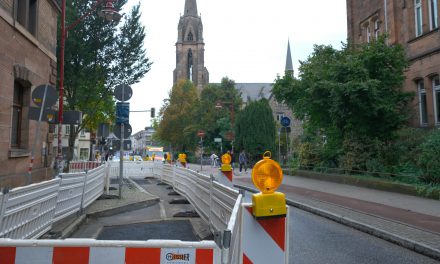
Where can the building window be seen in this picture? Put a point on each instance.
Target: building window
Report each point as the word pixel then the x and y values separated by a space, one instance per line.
pixel 376 29
pixel 433 14
pixel 436 91
pixel 83 153
pixel 27 14
pixel 368 33
pixel 422 103
pixel 418 17
pixel 190 37
pixel 67 130
pixel 17 111
pixel 83 133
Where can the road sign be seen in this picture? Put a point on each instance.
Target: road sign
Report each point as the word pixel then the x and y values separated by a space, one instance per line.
pixel 49 115
pixel 127 130
pixel 230 135
pixel 285 121
pixel 103 130
pixel 117 144
pixel 122 113
pixel 285 129
pixel 72 117
pixel 201 133
pixel 51 95
pixel 123 92
pixel 218 140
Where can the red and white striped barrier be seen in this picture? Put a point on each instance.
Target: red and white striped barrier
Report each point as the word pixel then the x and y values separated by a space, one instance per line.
pixel 264 240
pixel 107 252
pixel 225 178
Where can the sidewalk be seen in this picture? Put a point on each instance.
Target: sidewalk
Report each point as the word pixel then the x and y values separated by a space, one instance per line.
pixel 408 221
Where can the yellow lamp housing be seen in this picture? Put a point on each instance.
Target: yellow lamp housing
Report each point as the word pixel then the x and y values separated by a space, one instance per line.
pixel 226 167
pixel 267 177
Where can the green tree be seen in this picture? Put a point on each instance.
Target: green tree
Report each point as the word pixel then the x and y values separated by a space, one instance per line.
pixel 98 56
pixel 255 129
pixel 351 95
pixel 177 125
pixel 213 114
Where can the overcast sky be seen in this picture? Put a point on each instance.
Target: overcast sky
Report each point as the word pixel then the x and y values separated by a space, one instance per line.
pixel 245 40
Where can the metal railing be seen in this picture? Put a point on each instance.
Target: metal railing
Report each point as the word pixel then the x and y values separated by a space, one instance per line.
pixel 28 212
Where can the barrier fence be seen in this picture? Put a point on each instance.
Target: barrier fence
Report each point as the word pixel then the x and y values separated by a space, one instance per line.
pixel 28 212
pixel 79 166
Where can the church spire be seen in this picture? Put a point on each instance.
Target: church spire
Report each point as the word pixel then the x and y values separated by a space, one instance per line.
pixel 289 65
pixel 190 8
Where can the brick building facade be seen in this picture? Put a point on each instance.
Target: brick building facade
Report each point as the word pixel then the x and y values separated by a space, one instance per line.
pixel 28 38
pixel 415 25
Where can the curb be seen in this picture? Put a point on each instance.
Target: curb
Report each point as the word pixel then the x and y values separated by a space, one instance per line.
pixel 382 234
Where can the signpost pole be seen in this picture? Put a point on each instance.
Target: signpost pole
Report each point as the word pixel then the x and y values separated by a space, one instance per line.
pixel 121 152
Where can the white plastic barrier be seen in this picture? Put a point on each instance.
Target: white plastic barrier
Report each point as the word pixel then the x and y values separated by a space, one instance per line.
pixel 94 185
pixel 70 194
pixel 231 241
pixel 223 201
pixel 168 174
pixel 90 251
pixel 27 212
pixel 132 169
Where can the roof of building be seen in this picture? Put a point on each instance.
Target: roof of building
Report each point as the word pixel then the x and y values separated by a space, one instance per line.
pixel 190 8
pixel 254 91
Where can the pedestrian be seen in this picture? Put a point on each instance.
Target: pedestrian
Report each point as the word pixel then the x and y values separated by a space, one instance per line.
pixel 242 159
pixel 106 156
pixel 153 156
pixel 214 160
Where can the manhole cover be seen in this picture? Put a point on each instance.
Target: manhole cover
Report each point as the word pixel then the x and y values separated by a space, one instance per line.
pixel 174 230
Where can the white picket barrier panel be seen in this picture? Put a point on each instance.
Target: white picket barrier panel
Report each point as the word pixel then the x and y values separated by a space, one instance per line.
pixel 28 211
pixel 79 166
pixel 70 194
pixel 94 185
pixel 90 251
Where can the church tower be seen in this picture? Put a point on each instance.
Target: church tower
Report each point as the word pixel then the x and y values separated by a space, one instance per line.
pixel 190 48
pixel 289 64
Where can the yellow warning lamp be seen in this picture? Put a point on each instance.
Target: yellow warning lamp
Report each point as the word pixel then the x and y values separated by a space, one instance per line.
pixel 182 157
pixel 267 177
pixel 226 162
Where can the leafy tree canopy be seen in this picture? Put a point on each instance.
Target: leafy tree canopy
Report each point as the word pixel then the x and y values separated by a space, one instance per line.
pixel 177 124
pixel 255 129
pixel 98 56
pixel 352 93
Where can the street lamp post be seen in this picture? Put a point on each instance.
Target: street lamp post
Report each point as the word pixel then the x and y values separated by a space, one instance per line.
pixel 110 14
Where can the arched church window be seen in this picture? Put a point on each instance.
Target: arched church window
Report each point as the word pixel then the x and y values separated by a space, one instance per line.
pixel 190 36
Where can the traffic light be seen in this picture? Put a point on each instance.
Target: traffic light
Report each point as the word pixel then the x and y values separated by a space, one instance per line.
pixel 152 111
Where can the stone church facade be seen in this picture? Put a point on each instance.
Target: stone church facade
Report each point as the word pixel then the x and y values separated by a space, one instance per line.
pixel 190 48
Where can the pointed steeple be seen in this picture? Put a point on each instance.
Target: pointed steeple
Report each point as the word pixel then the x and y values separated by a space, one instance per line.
pixel 289 65
pixel 190 8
